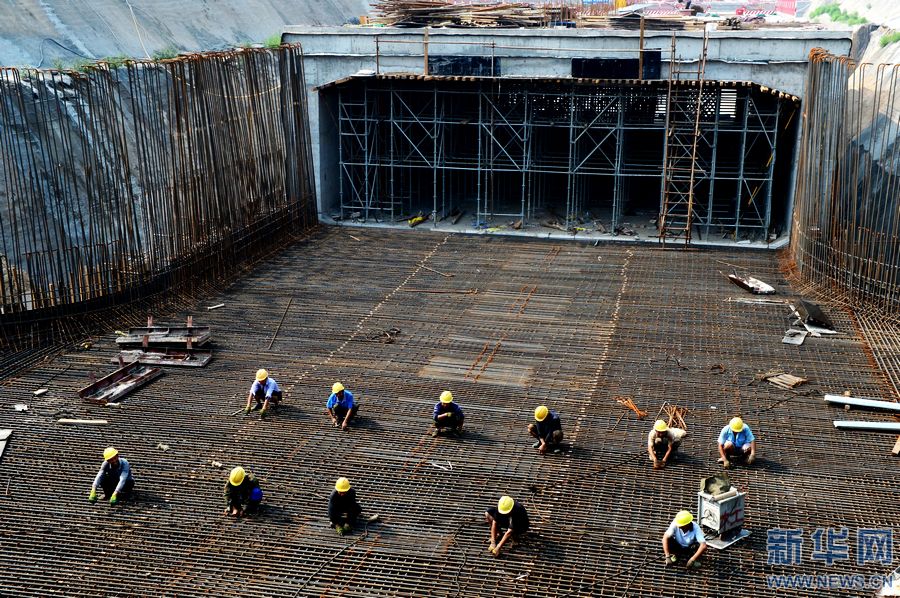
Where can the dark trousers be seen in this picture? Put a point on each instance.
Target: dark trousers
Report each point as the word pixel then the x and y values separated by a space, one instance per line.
pixel 341 412
pixel 348 518
pixel 453 422
pixel 252 505
pixel 109 483
pixel 260 397
pixel 555 437
pixel 685 551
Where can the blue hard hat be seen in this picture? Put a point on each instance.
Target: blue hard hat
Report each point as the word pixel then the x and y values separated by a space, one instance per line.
pixel 256 494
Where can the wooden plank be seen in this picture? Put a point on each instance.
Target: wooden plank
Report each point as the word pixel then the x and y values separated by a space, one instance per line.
pixel 113 387
pixel 896 449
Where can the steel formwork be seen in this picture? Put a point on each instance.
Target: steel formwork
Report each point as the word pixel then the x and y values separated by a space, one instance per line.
pixel 523 149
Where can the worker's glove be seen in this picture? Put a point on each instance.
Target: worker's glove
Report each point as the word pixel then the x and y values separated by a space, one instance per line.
pixel 492 547
pixel 92 497
pixel 727 464
pixel 262 414
pixel 340 529
pixel 334 423
pixel 693 564
pixel 248 409
pixel 495 551
pixel 671 559
pixel 751 459
pixel 113 499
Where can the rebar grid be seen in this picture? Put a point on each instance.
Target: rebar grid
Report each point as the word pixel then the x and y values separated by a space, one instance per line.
pixel 567 325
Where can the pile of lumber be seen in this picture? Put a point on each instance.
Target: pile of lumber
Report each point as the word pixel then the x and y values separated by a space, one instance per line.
pixel 443 13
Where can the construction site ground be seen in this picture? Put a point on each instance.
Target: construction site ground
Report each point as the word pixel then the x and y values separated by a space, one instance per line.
pixel 506 324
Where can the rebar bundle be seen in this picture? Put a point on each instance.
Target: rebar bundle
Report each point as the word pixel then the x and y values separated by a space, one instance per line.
pixel 846 225
pixel 436 13
pixel 116 181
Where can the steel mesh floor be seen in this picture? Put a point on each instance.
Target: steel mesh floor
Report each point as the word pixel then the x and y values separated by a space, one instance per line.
pixel 566 324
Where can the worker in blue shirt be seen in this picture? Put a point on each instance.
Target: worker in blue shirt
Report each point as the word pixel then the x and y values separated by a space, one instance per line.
pixel 447 416
pixel 242 493
pixel 341 406
pixel 510 518
pixel 265 390
pixel 114 478
pixel 547 429
pixel 736 440
pixel 684 538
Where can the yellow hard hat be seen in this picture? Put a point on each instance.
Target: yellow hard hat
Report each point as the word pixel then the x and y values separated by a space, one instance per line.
pixel 683 518
pixel 261 375
pixel 342 485
pixel 337 387
pixel 736 424
pixel 446 397
pixel 109 453
pixel 505 505
pixel 540 414
pixel 660 426
pixel 237 476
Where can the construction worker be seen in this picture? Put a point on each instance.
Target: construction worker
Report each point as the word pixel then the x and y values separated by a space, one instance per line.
pixel 447 415
pixel 114 478
pixel 341 406
pixel 242 493
pixel 343 510
pixel 265 390
pixel 736 441
pixel 689 540
pixel 510 517
pixel 663 442
pixel 547 430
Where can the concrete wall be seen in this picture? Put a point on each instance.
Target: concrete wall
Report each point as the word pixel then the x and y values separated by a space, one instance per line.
pixel 775 58
pixel 37 32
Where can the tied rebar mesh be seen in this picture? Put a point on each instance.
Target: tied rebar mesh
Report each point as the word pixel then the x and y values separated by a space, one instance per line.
pixel 118 181
pixel 846 223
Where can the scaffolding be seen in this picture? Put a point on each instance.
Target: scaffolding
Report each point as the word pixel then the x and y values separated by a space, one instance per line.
pixel 566 151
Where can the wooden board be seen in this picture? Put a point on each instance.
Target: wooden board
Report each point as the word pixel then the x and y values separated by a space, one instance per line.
pixel 165 336
pixel 172 357
pixel 112 388
pixel 754 285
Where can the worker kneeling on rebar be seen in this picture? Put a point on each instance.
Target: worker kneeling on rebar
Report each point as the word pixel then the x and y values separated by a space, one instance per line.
pixel 663 442
pixel 343 510
pixel 447 416
pixel 684 538
pixel 736 441
pixel 341 406
pixel 265 390
pixel 547 429
pixel 242 493
pixel 114 478
pixel 510 518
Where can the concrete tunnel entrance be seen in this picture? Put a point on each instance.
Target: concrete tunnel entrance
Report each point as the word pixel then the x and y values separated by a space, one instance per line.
pixel 583 154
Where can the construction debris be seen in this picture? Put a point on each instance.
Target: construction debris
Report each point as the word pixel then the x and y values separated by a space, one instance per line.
pixel 675 416
pixel 187 336
pixel 628 402
pixel 87 422
pixel 443 13
pixel 782 379
pixel 111 388
pixel 39 392
pixel 813 316
pixel 217 306
pixel 754 285
pixel 20 407
pixel 792 336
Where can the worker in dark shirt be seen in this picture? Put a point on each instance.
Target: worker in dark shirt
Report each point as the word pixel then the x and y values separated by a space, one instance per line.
pixel 341 406
pixel 242 493
pixel 547 429
pixel 343 510
pixel 114 478
pixel 509 515
pixel 447 416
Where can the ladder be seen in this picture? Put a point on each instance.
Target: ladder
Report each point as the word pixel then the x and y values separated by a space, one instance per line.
pixel 684 106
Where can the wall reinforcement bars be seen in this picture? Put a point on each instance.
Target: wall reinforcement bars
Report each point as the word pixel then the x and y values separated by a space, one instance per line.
pixel 115 181
pixel 846 225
